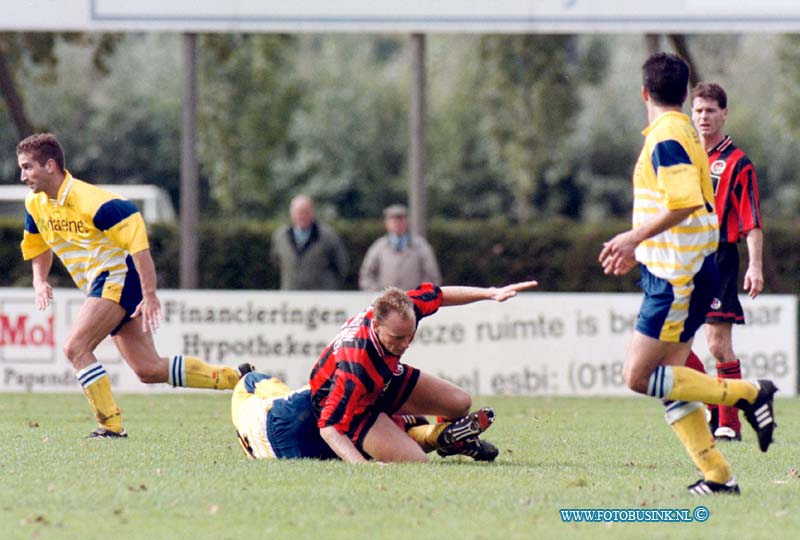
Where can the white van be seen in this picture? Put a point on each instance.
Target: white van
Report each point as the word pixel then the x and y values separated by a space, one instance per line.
pixel 152 201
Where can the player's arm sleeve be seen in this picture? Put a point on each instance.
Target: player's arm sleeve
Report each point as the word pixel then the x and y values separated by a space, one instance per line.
pixel 677 176
pixel 122 222
pixel 345 400
pixel 427 299
pixel 749 210
pixel 32 244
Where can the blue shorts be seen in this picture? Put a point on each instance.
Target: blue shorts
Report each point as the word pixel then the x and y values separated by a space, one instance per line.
pixel 292 428
pixel 130 296
pixel 273 422
pixel 673 313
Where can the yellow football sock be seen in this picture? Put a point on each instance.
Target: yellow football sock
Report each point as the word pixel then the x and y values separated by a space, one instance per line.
pixel 691 385
pixel 105 408
pixel 427 435
pixel 192 372
pixel 696 437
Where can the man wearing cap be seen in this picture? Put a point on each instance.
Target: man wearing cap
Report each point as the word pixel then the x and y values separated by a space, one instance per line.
pixel 398 259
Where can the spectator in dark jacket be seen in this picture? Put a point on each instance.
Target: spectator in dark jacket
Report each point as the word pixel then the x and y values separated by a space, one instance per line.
pixel 310 254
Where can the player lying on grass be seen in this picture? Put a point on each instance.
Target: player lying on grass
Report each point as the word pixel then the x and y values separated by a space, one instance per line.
pixel 359 381
pixel 273 422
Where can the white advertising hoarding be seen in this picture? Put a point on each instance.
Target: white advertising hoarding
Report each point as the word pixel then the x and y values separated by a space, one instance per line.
pixel 536 344
pixel 409 16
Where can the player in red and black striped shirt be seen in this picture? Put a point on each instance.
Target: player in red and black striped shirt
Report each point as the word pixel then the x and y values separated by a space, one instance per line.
pixel 359 381
pixel 737 206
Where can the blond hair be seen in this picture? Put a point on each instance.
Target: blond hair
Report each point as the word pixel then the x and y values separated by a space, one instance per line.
pixel 393 300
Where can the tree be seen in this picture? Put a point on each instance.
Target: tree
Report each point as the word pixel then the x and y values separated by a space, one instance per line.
pixel 247 98
pixel 531 99
pixel 348 138
pixel 680 43
pixel 21 52
pixel 785 160
pixel 119 128
pixel 462 178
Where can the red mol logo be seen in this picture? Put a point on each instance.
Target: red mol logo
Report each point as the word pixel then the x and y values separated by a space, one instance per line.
pixel 19 331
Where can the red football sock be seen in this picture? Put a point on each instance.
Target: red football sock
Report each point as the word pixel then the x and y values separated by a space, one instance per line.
pixel 729 416
pixel 694 362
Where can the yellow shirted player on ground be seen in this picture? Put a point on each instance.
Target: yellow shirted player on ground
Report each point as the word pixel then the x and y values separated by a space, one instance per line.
pixel 101 239
pixel 274 422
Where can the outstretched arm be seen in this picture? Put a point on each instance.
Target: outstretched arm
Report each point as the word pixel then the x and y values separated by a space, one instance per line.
pixel 457 295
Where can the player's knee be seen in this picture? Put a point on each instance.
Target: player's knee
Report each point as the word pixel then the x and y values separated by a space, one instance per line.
pixel 75 349
pixel 634 379
pixel 461 402
pixel 148 375
pixel 718 348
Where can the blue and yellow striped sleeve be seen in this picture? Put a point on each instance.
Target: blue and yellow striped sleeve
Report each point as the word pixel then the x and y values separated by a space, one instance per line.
pixel 32 244
pixel 121 221
pixel 677 176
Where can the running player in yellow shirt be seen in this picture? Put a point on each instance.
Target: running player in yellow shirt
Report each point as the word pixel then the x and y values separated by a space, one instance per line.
pixel 101 239
pixel 673 241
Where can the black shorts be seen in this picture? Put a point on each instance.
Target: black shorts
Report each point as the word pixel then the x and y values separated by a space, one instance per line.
pixel 730 309
pixel 391 399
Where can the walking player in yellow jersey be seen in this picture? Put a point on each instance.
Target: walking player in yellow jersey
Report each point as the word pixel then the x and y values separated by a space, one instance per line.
pixel 102 241
pixel 673 240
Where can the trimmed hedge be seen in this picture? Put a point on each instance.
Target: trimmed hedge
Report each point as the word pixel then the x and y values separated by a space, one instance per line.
pixel 560 254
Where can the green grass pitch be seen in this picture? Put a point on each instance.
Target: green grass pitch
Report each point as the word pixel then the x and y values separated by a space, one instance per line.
pixel 181 475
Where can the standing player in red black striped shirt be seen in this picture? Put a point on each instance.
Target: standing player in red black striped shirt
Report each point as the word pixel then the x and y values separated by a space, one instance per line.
pixel 359 381
pixel 737 206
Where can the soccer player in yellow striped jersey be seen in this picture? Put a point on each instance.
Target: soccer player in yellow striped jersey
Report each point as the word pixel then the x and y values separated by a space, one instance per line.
pixel 673 241
pixel 102 241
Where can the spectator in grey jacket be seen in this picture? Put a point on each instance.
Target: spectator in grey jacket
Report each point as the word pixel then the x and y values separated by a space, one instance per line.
pixel 398 259
pixel 311 255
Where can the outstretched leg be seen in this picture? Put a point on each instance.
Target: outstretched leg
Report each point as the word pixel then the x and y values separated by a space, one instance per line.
pixel 138 350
